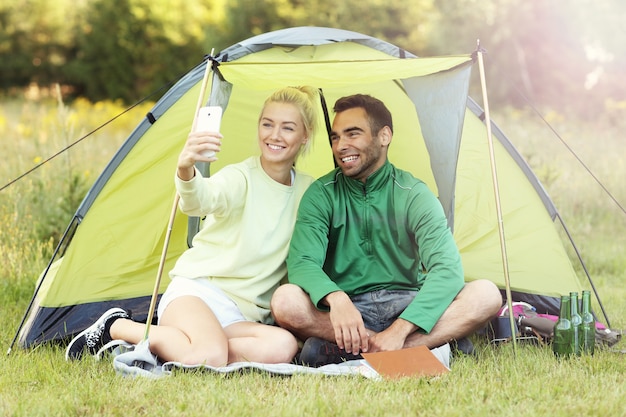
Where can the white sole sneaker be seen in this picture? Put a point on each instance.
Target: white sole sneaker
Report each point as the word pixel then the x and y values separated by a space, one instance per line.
pixel 114 348
pixel 89 338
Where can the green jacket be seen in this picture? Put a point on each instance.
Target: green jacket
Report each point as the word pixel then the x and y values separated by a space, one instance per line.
pixel 389 233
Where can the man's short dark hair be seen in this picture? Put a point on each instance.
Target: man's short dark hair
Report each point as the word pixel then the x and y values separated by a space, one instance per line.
pixel 378 114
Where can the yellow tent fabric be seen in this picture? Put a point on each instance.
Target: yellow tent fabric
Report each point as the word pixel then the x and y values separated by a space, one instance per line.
pixel 536 258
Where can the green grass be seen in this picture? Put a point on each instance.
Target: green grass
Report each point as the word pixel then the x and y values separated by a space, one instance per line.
pixel 496 382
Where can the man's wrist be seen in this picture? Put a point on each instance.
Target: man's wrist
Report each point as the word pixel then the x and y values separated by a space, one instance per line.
pixel 403 327
pixel 334 297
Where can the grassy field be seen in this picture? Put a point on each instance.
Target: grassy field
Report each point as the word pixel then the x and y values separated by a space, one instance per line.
pixel 498 381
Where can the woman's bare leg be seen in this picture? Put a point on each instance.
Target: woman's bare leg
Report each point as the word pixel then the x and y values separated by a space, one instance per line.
pixel 188 333
pixel 256 342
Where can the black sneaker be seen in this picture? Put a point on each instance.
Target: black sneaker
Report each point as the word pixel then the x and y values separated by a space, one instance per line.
pixel 94 337
pixel 318 352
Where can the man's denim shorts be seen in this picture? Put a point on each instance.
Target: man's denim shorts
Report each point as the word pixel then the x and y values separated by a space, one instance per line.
pixel 382 307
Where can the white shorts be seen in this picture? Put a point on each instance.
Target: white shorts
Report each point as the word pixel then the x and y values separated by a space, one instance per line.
pixel 223 307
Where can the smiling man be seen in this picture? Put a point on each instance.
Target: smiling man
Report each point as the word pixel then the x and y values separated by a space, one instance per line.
pixel 372 264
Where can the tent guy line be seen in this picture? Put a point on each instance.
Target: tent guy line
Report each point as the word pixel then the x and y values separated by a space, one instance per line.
pixel 87 135
pixel 569 148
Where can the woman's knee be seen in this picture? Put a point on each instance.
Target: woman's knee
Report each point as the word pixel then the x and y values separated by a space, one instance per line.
pixel 287 347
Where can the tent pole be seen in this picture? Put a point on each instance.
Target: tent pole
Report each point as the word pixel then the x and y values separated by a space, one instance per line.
pixel 141 357
pixel 157 282
pixel 496 192
pixel 170 225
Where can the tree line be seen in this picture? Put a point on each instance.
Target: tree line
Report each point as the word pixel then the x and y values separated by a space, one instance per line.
pixel 562 54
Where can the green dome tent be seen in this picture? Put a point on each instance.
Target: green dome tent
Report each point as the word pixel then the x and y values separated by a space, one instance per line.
pixel 110 252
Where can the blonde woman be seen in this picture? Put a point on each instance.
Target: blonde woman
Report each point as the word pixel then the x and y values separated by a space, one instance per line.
pixel 216 309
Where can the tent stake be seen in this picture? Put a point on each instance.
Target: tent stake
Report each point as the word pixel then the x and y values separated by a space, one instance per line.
pixel 496 192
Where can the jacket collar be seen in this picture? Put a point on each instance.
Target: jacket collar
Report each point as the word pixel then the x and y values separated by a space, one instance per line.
pixel 378 179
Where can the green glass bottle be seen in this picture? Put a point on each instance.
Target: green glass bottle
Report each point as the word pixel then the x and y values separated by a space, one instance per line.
pixel 562 343
pixel 576 323
pixel 588 326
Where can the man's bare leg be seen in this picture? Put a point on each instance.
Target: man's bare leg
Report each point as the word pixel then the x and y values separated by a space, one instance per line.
pixel 293 310
pixel 476 304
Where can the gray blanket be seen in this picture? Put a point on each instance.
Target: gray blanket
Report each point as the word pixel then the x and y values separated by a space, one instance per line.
pixel 139 362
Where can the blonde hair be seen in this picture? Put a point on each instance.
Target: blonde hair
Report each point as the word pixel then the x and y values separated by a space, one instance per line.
pixel 304 98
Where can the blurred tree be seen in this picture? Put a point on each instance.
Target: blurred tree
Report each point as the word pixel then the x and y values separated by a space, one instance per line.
pixel 604 39
pixel 536 50
pixel 34 41
pixel 126 49
pixel 546 51
pixel 390 20
pixel 102 65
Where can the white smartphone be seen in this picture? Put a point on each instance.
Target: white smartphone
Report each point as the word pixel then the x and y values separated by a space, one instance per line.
pixel 209 120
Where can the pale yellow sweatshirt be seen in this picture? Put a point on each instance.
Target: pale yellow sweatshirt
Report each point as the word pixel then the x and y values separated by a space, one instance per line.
pixel 244 240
